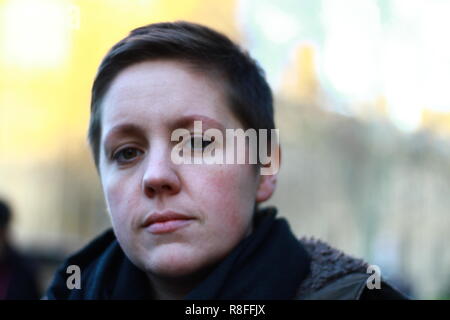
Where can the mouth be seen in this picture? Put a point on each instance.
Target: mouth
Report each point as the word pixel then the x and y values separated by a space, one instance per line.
pixel 166 222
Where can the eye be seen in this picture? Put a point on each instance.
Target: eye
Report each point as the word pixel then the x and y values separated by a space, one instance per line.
pixel 198 141
pixel 126 155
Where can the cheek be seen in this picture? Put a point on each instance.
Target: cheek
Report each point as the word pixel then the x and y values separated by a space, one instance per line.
pixel 120 197
pixel 229 197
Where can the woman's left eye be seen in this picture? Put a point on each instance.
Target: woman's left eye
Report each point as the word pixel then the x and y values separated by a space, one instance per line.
pixel 127 155
pixel 196 142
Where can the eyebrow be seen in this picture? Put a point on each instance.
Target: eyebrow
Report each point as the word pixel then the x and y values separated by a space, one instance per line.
pixel 127 129
pixel 188 121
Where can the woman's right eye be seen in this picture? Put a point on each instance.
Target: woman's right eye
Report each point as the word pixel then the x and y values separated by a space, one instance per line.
pixel 126 155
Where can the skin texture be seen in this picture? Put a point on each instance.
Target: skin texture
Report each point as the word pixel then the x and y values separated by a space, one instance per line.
pixel 139 178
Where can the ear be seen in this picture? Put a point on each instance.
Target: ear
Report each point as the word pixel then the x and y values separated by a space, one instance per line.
pixel 266 187
pixel 268 182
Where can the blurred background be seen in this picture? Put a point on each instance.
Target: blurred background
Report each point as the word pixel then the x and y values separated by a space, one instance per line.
pixel 362 103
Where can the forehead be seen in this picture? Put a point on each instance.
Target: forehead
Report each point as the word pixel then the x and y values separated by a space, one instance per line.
pixel 163 89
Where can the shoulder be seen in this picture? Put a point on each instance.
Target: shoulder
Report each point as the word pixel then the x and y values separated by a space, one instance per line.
pixel 335 275
pixel 92 260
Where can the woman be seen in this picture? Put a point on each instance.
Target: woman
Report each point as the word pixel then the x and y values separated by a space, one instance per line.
pixel 194 229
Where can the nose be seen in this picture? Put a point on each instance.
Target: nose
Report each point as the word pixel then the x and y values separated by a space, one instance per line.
pixel 160 176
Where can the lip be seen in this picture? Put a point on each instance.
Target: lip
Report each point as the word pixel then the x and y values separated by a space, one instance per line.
pixel 166 222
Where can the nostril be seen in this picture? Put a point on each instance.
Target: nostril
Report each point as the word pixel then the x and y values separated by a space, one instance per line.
pixel 150 191
pixel 160 180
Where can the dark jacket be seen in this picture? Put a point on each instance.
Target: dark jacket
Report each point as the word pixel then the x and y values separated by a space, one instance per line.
pixel 336 276
pixel 269 264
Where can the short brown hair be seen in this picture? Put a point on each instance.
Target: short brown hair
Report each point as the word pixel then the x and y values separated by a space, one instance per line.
pixel 248 93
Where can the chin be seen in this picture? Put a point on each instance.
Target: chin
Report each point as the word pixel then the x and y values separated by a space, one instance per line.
pixel 177 264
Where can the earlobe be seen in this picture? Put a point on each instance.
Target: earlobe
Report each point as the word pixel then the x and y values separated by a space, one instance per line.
pixel 268 182
pixel 266 187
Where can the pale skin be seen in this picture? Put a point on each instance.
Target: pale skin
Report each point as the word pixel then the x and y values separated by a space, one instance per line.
pixel 138 176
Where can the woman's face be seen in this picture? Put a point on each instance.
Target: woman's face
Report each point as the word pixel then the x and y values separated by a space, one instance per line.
pixel 171 220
